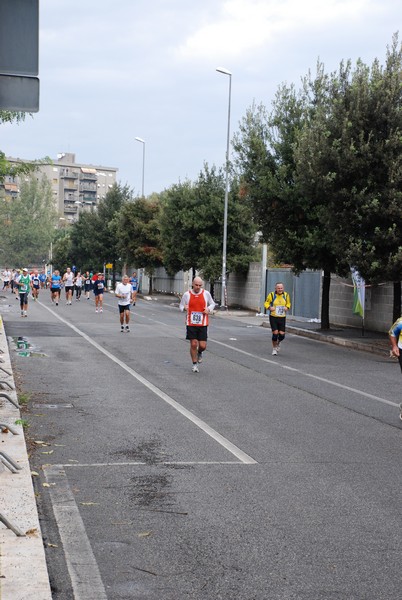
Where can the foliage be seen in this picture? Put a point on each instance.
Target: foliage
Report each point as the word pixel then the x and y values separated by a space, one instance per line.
pixel 28 223
pixel 94 239
pixel 351 156
pixel 138 233
pixel 192 226
pixel 323 171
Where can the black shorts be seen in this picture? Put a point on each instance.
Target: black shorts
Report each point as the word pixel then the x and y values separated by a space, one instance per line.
pixel 277 323
pixel 55 290
pixel 197 332
pixel 23 298
pixel 123 307
pixel 69 288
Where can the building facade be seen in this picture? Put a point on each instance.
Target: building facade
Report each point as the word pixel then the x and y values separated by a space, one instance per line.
pixel 76 187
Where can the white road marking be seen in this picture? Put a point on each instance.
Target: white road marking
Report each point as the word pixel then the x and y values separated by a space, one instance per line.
pixel 81 563
pixel 294 370
pixel 317 377
pixel 220 439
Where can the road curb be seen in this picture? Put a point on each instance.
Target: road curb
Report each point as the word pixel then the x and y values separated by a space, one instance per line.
pixel 338 341
pixel 23 571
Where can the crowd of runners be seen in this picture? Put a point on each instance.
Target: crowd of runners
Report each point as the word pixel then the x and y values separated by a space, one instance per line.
pixel 25 284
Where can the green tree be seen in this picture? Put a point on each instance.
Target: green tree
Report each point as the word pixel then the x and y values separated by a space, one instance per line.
pixel 351 155
pixel 138 232
pixel 29 221
pixel 192 226
pixel 94 239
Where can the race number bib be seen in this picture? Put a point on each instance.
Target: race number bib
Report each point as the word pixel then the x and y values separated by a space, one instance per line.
pixel 196 318
pixel 23 287
pixel 280 311
pixel 100 286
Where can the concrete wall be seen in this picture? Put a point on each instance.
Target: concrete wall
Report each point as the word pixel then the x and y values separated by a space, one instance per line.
pixel 378 305
pixel 245 291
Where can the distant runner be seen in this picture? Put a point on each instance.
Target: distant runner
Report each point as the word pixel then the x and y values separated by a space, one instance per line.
pixel 123 293
pixel 278 303
pixel 198 304
pixel 98 289
pixel 55 286
pixel 24 285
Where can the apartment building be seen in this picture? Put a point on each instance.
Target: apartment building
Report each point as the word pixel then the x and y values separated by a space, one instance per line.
pixel 76 187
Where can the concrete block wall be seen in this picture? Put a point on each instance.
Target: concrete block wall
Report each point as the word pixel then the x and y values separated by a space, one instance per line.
pixel 244 290
pixel 378 309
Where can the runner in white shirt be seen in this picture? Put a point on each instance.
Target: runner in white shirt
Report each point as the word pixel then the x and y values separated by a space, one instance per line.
pixel 68 279
pixel 6 279
pixel 123 293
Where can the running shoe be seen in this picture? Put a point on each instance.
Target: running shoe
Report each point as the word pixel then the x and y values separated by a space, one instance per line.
pixel 199 357
pixel 127 329
pixel 195 369
pixel 278 347
pixel 274 352
pixel 101 310
pixel 96 310
pixel 122 329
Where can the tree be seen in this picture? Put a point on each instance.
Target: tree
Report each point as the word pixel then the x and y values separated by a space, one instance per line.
pixel 192 226
pixel 29 221
pixel 287 218
pixel 138 232
pixel 94 237
pixel 351 155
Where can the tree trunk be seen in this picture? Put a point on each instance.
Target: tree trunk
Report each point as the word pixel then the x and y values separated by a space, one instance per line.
pixel 150 284
pixel 326 282
pixel 396 311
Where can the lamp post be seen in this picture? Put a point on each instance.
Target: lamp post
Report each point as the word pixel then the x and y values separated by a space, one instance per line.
pixel 143 162
pixel 225 213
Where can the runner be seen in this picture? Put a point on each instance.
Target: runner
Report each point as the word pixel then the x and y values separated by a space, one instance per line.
pixel 42 279
pixel 78 281
pixel 68 279
pixel 6 279
pixel 278 303
pixel 395 337
pixel 134 287
pixel 123 293
pixel 24 284
pixel 199 304
pixel 55 286
pixel 87 284
pixel 35 284
pixel 98 289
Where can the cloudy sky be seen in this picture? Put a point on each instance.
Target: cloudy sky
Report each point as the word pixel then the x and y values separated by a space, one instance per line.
pixel 114 71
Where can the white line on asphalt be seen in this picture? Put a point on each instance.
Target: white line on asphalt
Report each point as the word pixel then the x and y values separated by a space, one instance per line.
pixel 155 464
pixel 81 563
pixel 286 367
pixel 220 439
pixel 317 377
pixel 294 370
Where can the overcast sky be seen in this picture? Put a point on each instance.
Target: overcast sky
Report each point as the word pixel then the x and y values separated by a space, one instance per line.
pixel 113 71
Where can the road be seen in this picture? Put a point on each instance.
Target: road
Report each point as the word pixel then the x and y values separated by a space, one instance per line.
pixel 259 478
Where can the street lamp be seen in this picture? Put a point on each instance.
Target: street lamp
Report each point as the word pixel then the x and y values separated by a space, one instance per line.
pixel 225 213
pixel 143 161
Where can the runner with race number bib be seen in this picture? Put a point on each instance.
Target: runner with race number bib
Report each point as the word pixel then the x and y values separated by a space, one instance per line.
pixel 198 304
pixel 278 303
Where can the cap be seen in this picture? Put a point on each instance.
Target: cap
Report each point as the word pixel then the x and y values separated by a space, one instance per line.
pixel 25 269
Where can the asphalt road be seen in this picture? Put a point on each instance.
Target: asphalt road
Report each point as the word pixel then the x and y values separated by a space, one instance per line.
pixel 259 478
